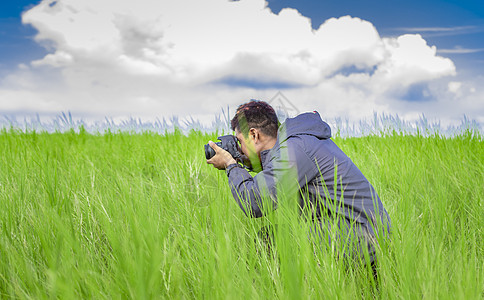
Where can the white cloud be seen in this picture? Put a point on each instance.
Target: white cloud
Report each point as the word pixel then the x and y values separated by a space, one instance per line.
pixel 454 86
pixel 443 31
pixel 460 50
pixel 439 29
pixel 159 58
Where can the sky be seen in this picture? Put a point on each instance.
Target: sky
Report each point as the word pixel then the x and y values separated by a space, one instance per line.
pixel 152 59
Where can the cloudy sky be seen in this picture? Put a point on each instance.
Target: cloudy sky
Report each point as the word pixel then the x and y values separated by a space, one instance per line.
pixel 159 58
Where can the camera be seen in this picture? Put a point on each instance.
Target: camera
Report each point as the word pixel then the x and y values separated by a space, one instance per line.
pixel 229 144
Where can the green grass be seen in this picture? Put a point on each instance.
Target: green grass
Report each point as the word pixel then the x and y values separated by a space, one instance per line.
pixel 142 216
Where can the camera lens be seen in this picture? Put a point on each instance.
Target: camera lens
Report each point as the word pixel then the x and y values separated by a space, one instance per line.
pixel 209 152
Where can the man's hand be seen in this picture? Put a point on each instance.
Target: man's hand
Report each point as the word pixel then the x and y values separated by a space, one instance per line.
pixel 221 159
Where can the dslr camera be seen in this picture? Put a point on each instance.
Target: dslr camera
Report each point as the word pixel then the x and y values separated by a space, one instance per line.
pixel 229 144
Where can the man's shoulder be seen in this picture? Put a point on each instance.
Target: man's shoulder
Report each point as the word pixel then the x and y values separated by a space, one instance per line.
pixel 294 145
pixel 301 140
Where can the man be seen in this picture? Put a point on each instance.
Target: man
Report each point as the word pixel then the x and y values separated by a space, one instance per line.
pixel 300 156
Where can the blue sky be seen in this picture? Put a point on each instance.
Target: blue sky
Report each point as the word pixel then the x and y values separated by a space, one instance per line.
pixel 38 78
pixel 16 40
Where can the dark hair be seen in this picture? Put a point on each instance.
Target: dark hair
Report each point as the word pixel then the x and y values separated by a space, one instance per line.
pixel 256 114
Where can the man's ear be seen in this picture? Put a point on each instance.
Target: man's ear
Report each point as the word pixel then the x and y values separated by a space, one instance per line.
pixel 254 134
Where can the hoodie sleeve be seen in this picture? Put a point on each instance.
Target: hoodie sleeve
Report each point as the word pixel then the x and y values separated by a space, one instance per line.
pixel 288 169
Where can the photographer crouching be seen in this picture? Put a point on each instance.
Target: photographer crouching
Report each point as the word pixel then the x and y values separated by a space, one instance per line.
pixel 301 149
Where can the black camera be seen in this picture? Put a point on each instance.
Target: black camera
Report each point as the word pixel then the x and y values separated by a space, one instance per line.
pixel 229 144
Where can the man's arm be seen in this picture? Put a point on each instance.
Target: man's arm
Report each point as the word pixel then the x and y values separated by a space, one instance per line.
pixel 289 168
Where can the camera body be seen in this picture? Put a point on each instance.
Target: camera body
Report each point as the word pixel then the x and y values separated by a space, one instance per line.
pixel 229 144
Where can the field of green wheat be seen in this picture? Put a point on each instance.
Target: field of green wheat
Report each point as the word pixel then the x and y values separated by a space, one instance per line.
pixel 141 215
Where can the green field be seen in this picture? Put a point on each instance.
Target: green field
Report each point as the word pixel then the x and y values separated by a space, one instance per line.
pixel 120 215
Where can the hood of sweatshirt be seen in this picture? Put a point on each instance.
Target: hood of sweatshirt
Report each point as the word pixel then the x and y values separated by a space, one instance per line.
pixel 304 124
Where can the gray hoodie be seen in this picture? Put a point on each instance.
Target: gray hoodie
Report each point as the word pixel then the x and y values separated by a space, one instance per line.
pixel 305 159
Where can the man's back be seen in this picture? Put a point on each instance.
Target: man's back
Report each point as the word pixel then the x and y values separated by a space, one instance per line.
pixel 319 161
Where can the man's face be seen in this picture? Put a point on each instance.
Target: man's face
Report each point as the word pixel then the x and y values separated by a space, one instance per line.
pixel 246 144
